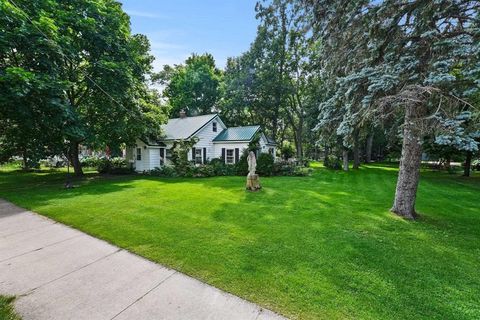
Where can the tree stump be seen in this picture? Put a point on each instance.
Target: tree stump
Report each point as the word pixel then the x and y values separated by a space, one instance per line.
pixel 253 182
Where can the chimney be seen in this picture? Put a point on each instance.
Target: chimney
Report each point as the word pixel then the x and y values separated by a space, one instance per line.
pixel 183 114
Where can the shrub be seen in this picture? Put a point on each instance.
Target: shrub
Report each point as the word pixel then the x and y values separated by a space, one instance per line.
pixel 476 165
pixel 90 162
pixel 241 167
pixel 285 168
pixel 113 166
pixel 265 164
pixel 333 162
pixel 220 168
pixel 164 171
pixel 287 150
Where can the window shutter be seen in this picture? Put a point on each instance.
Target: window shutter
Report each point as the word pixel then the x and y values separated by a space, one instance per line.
pixel 204 155
pixel 193 154
pixel 237 155
pixel 223 154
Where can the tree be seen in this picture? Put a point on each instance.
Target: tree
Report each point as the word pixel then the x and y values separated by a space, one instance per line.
pixel 273 83
pixel 32 111
pixel 102 69
pixel 194 86
pixel 418 59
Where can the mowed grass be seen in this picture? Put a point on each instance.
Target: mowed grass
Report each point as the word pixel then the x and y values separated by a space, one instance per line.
pixel 319 247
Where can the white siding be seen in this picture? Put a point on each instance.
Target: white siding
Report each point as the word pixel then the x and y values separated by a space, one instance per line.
pixel 154 158
pixel 229 145
pixel 205 138
pixel 264 146
pixel 140 165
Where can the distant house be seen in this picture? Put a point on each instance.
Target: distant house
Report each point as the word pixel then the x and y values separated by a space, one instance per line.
pixel 215 140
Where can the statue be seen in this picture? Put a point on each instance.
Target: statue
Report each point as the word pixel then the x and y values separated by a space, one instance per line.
pixel 252 163
pixel 253 182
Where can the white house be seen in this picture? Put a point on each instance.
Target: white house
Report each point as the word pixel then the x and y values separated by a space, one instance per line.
pixel 215 140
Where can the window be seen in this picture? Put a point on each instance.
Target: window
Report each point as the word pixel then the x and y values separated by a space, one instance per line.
pixel 214 126
pixel 271 151
pixel 230 156
pixel 139 154
pixel 198 156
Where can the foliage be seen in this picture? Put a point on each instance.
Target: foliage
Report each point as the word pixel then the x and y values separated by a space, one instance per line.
pixel 287 150
pixel 113 166
pixel 476 164
pixel 286 168
pixel 180 151
pixel 241 167
pixel 333 162
pixel 194 86
pixel 273 83
pixel 265 164
pixel 91 162
pixel 79 74
pixel 415 62
pixel 220 168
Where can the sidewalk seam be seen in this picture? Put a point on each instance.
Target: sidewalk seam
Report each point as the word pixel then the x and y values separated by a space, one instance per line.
pixel 141 297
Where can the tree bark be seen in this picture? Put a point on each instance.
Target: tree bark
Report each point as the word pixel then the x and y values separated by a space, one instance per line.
pixel 77 167
pixel 356 151
pixel 368 149
pixel 409 173
pixel 25 160
pixel 468 164
pixel 345 159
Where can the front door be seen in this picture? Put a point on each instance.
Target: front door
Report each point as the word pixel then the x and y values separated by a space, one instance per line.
pixel 162 156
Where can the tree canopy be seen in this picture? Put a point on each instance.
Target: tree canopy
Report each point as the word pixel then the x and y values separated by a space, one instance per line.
pixel 96 69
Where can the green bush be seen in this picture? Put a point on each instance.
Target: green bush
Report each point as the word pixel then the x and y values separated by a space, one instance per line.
pixel 333 162
pixel 164 171
pixel 241 167
pixel 90 162
pixel 285 168
pixel 287 150
pixel 476 164
pixel 113 166
pixel 220 168
pixel 265 164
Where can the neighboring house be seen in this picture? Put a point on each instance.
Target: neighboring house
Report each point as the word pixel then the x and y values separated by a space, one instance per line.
pixel 215 140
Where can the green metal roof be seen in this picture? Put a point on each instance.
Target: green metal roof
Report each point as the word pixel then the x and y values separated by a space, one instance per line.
pixel 238 134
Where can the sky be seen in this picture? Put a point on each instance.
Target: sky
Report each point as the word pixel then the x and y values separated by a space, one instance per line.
pixel 177 28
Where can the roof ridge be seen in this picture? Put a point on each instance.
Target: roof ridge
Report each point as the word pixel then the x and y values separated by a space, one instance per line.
pixel 190 117
pixel 251 126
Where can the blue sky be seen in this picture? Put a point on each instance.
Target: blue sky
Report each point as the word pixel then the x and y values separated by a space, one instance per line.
pixel 176 28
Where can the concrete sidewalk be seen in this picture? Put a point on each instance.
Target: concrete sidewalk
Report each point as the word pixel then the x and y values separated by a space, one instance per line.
pixel 60 273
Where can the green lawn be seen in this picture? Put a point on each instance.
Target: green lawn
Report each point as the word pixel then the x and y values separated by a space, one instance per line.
pixel 6 309
pixel 318 247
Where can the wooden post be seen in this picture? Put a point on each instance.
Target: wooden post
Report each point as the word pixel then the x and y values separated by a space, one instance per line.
pixel 253 182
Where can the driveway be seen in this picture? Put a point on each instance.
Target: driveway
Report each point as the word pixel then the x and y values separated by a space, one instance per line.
pixel 58 272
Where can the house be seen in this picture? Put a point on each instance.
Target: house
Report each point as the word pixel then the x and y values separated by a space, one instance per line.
pixel 215 140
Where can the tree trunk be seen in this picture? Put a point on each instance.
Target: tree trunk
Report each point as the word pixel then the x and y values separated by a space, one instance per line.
pixel 77 167
pixel 326 154
pixel 25 160
pixel 409 173
pixel 356 151
pixel 368 150
pixel 345 159
pixel 468 164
